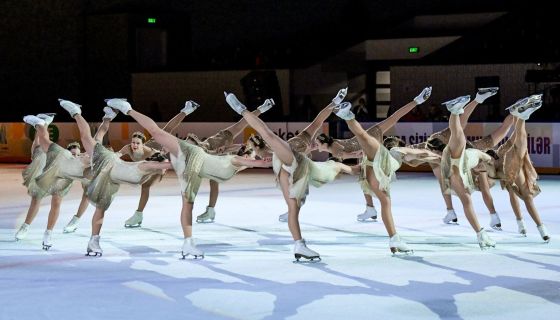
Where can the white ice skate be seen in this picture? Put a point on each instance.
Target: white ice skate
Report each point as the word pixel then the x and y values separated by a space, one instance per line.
pixel 521 227
pixel 47 242
pixel 283 217
pixel 135 221
pixel 544 233
pixel 208 216
pixel 93 248
pixel 457 105
pixel 72 225
pixel 341 94
pixel 344 111
pixel 450 217
pixel 22 232
pixel 397 245
pixel 33 121
pixel 234 103
pixel 190 249
pixel 302 251
pixel 71 107
pixel 485 93
pixel 369 213
pixel 110 114
pixel 119 104
pixel 47 117
pixel 535 98
pixel 524 112
pixel 484 241
pixel 423 96
pixel 268 103
pixel 495 222
pixel 190 107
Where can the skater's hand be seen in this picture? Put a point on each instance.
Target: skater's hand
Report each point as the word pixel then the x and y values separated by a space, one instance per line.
pixel 424 95
pixel 485 93
pixel 340 96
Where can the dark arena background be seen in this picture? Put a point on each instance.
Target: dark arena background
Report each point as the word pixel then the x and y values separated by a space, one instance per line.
pixel 96 203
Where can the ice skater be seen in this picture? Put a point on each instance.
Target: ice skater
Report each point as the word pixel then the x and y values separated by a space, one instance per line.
pixel 221 143
pixel 350 148
pixel 62 166
pixel 139 149
pixel 191 164
pixel 293 169
pixel 515 169
pixel 108 172
pixel 457 164
pixel 378 170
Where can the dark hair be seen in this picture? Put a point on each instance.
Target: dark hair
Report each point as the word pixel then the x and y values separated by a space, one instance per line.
pixel 156 157
pixel 244 150
pixel 493 154
pixel 139 135
pixel 436 144
pixel 392 141
pixel 323 138
pixel 73 145
pixel 257 141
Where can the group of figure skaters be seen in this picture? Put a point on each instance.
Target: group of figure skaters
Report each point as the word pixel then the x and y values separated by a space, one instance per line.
pixel 461 166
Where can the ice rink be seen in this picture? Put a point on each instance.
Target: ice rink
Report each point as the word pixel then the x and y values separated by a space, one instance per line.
pixel 248 271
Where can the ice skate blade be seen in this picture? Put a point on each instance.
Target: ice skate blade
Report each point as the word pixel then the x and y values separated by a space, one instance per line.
pixel 195 256
pixel 205 221
pixel 46 247
pixel 94 254
pixel 487 247
pixel 395 251
pixel 370 219
pixel 497 227
pixel 69 230
pixel 309 259
pixel 486 90
pixel 455 223
pixel 546 239
pixel 132 226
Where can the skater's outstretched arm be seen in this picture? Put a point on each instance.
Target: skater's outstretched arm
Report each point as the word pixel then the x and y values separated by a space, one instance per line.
pixel 250 163
pixel 395 117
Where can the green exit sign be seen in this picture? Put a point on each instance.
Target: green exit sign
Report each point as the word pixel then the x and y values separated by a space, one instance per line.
pixel 151 20
pixel 413 49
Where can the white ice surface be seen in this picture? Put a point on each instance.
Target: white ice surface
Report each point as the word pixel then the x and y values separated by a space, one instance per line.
pixel 248 271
